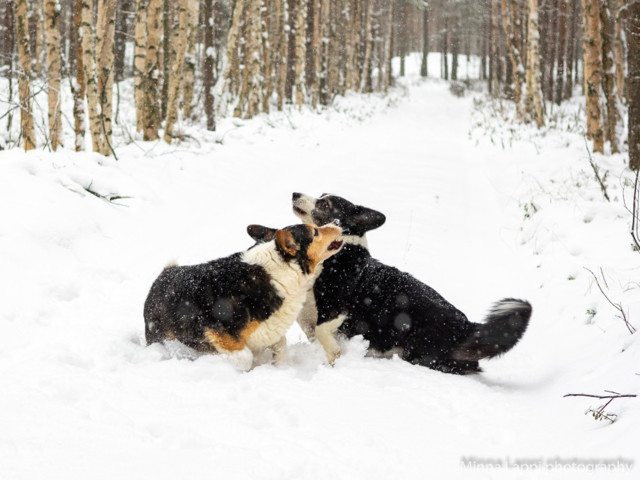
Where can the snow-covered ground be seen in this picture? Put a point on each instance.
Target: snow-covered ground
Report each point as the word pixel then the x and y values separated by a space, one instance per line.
pixel 83 398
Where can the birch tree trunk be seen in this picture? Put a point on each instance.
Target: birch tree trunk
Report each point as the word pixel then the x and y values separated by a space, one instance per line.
pixel 51 9
pixel 193 12
pixel 618 47
pixel 282 15
pixel 424 66
pixel 562 19
pixel 151 112
pixel 178 50
pixel 90 75
pixel 232 74
pixel 608 74
pixel 79 87
pixel 572 8
pixel 105 59
pixel 534 91
pixel 207 64
pixel 633 81
pixel 493 59
pixel 140 42
pixel 366 84
pixel 509 15
pixel 38 37
pixel 301 35
pixel 24 79
pixel 592 48
pixel 315 54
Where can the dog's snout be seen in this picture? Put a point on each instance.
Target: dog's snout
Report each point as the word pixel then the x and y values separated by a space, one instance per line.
pixel 296 196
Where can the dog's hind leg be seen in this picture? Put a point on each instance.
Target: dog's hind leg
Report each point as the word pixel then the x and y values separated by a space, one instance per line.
pixel 325 333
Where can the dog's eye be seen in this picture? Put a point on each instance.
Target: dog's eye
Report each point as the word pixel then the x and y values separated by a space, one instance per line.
pixel 315 232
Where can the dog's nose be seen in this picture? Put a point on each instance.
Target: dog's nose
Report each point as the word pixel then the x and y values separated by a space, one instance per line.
pixel 296 196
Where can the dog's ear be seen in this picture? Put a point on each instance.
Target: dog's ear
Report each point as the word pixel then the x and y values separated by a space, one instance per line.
pixel 260 233
pixel 285 239
pixel 367 219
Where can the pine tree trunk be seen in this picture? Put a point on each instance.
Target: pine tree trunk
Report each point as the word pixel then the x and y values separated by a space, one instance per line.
pixel 534 103
pixel 608 74
pixel 190 58
pixel 301 35
pixel 592 48
pixel 207 64
pixel 424 66
pixel 51 9
pixel 633 81
pixel 139 53
pixel 168 25
pixel 24 79
pixel 150 109
pixel 178 45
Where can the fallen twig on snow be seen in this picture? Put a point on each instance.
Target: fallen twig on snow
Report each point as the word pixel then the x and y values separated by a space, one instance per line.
pixel 599 413
pixel 617 306
pixel 596 170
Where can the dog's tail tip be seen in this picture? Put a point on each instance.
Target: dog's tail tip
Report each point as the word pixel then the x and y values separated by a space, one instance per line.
pixel 504 326
pixel 171 264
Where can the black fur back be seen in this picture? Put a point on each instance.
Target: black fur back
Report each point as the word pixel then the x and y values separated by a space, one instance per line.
pixel 222 295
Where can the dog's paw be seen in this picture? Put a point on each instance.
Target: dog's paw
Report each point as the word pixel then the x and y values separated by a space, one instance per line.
pixel 333 355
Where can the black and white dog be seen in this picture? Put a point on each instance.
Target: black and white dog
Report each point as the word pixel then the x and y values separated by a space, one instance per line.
pixel 355 294
pixel 241 304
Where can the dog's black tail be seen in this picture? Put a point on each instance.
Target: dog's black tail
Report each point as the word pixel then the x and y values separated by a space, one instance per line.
pixel 504 326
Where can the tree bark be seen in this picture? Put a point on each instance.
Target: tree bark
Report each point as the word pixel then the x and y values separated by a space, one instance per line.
pixel 139 53
pixel 207 64
pixel 51 9
pixel 592 48
pixel 633 81
pixel 561 50
pixel 509 17
pixel 533 104
pixel 105 59
pixel 424 66
pixel 151 112
pixel 24 80
pixel 619 47
pixel 301 35
pixel 282 14
pixel 178 44
pixel 608 74
pixel 190 58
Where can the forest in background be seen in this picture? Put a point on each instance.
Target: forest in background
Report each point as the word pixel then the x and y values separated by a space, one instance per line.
pixel 198 59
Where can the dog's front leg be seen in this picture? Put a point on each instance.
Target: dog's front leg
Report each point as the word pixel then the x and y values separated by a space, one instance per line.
pixel 280 351
pixel 326 335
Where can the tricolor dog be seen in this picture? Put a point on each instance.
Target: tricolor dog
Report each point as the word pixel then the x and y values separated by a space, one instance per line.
pixel 241 304
pixel 355 294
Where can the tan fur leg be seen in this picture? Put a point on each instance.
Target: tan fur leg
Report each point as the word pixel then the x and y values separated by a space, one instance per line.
pixel 280 351
pixel 325 333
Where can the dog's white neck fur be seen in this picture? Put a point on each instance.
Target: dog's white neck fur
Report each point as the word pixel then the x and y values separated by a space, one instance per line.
pixel 291 284
pixel 356 240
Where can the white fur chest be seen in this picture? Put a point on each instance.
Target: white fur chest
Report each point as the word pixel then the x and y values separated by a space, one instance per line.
pixel 290 283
